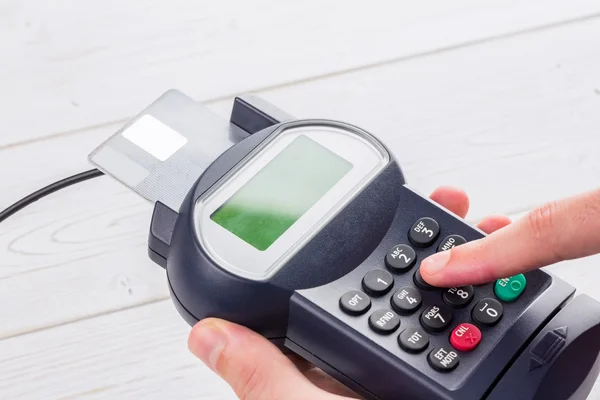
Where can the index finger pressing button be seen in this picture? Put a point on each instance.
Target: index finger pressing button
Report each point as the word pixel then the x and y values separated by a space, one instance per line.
pixel 420 282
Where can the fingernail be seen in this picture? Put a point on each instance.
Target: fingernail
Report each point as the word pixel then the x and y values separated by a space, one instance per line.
pixel 435 263
pixel 209 341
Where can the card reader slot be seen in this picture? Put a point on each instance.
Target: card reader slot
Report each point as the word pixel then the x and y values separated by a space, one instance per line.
pixel 252 114
pixel 161 231
pixel 563 359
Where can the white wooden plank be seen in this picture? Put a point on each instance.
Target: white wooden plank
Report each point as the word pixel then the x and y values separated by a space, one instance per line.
pixel 138 353
pixel 97 217
pixel 514 130
pixel 513 122
pixel 82 268
pixel 69 64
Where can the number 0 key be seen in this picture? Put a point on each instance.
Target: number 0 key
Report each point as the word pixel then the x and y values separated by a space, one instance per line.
pixel 488 312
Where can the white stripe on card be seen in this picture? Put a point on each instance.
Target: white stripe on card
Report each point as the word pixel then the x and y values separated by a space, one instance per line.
pixel 154 137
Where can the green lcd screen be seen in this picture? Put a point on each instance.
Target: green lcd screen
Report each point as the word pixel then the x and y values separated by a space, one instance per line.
pixel 280 193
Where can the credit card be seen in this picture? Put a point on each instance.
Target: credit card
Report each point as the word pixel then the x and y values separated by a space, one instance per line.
pixel 162 152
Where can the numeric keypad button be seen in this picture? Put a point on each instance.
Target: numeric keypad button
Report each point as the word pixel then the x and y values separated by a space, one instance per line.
pixel 424 232
pixel 355 302
pixel 413 340
pixel 420 282
pixel 436 318
pixel 459 297
pixel 509 289
pixel 451 241
pixel 384 321
pixel 407 300
pixel 443 359
pixel 378 282
pixel 488 312
pixel 400 258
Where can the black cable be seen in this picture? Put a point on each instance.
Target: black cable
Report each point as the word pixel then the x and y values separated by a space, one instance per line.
pixel 32 198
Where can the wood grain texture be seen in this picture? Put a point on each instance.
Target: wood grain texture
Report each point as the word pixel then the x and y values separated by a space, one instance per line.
pixel 84 314
pixel 67 65
pixel 134 354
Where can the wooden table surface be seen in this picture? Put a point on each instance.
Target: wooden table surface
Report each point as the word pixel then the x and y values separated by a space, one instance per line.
pixel 501 98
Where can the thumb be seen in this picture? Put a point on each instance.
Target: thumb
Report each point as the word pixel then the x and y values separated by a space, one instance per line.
pixel 557 231
pixel 253 367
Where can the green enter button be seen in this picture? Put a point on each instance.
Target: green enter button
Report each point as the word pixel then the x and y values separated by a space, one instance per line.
pixel 509 289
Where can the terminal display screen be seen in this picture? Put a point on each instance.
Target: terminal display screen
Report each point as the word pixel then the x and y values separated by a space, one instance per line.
pixel 281 192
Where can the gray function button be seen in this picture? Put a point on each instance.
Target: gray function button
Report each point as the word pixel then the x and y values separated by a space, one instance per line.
pixel 436 318
pixel 443 359
pixel 451 241
pixel 488 312
pixel 424 232
pixel 355 302
pixel 378 282
pixel 400 258
pixel 407 300
pixel 413 340
pixel 459 297
pixel 384 321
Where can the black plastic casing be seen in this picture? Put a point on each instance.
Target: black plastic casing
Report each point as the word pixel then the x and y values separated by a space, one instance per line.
pixel 350 237
pixel 298 309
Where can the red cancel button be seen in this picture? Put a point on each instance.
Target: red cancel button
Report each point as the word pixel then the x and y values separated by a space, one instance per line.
pixel 465 337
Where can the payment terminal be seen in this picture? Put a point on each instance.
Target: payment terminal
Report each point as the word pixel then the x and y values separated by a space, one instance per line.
pixel 305 231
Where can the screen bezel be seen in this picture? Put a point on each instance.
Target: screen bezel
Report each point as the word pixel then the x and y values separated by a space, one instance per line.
pixel 367 156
